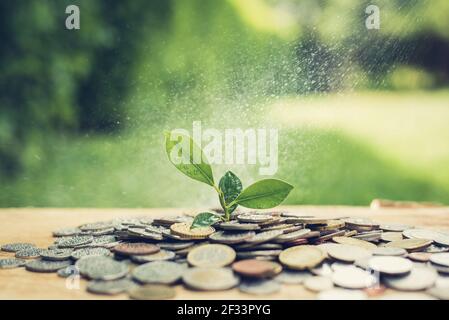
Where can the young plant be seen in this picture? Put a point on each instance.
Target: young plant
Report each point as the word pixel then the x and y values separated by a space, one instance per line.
pixel 263 194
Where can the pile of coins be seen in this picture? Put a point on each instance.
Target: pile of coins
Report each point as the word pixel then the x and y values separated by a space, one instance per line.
pixel 339 258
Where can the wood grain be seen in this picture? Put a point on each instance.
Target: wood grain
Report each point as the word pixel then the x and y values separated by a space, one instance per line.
pixel 36 225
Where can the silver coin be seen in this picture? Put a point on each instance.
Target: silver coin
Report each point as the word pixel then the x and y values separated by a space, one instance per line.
pixel 238 226
pixel 390 265
pixel 368 236
pixel 338 265
pixel 175 245
pixel 105 269
pixel 210 279
pixel 353 278
pixel 94 251
pixel 144 234
pixel 292 276
pixel 264 236
pixel 259 286
pixel 254 218
pixel 348 253
pixel 46 266
pixel 102 232
pixel 435 249
pixel 10 263
pixel 262 246
pixel 30 253
pixel 102 240
pixel 418 279
pixel 111 287
pixel 83 264
pixel 287 237
pixel 160 272
pixel 258 253
pixel 75 241
pixel 420 234
pixel 227 237
pixel 156 229
pixel 14 247
pixel 66 232
pixel 439 268
pixel 441 293
pixel 162 255
pixel 394 227
pixel 97 226
pixel 391 236
pixel 323 270
pixel 318 283
pixel 389 251
pixel 56 254
pixel 363 263
pixel 441 259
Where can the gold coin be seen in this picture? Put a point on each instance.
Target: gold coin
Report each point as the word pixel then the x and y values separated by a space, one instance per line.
pixel 355 242
pixel 410 244
pixel 211 256
pixel 302 257
pixel 182 229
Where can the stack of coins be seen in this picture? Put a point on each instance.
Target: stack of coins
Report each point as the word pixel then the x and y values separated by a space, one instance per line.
pixel 258 253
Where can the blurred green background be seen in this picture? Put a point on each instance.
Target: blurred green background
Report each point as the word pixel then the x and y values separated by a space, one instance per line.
pixel 361 113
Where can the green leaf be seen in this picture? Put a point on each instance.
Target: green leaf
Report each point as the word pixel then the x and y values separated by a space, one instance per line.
pixel 205 219
pixel 231 186
pixel 184 149
pixel 264 194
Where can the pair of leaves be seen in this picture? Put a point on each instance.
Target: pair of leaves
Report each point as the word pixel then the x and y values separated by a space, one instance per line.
pixel 263 194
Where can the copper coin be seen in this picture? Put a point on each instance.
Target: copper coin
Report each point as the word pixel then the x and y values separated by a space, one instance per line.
pixel 257 268
pixel 136 248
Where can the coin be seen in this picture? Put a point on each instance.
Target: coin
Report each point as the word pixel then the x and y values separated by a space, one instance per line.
pixel 435 249
pixel 158 256
pixel 262 246
pixel 264 236
pixel 144 234
pixel 360 222
pixel 14 247
pixel 66 232
pixel 390 265
pixel 311 220
pixel 227 237
pixel 183 229
pixel 175 245
pixel 152 292
pixel 348 253
pixel 259 286
pixel 418 279
pixel 391 236
pixel 353 278
pixel 256 268
pixel 71 242
pixel 292 276
pixel 10 263
pixel 419 256
pixel 104 268
pixel 441 293
pixel 331 225
pixel 162 272
pixel 389 251
pixel 410 244
pixel 46 266
pixel 29 253
pixel 211 255
pixel 257 253
pixel 238 226
pixel 394 227
pixel 368 236
pixel 441 259
pixel 287 237
pixel 342 294
pixel 318 283
pixel 110 287
pixel 324 269
pixel 254 218
pixel 355 242
pixel 420 234
pixel 210 279
pixel 136 248
pixel 84 252
pixel 301 257
pixel 96 226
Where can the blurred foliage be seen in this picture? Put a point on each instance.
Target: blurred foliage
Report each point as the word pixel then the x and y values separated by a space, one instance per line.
pixel 139 64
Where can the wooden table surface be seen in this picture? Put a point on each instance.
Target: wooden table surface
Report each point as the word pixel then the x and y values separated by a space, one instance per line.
pixel 36 225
